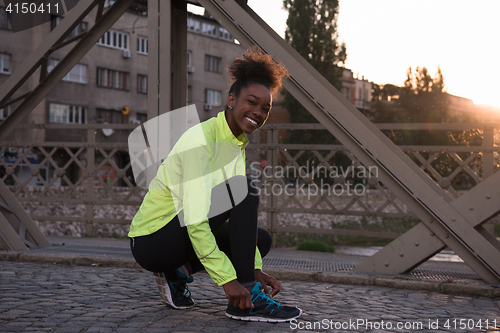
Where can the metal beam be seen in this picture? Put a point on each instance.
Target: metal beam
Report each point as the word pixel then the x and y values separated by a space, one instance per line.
pixel 9 239
pixel 16 226
pixel 164 64
pixel 420 193
pixel 179 54
pixel 19 220
pixel 419 244
pixel 153 58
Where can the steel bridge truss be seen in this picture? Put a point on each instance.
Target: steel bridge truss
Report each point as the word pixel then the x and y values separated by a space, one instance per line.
pixel 457 223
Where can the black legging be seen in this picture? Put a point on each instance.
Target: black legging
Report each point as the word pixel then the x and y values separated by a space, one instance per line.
pixel 170 247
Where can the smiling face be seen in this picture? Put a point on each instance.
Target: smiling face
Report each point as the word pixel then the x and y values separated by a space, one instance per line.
pixel 250 109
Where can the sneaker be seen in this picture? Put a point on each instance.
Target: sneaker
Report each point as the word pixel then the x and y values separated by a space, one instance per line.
pixel 173 289
pixel 265 309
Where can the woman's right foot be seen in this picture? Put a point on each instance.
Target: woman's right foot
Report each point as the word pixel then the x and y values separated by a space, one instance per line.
pixel 265 309
pixel 174 290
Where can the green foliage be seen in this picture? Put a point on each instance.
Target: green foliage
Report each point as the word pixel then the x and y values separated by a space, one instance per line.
pixel 316 246
pixel 312 32
pixel 422 99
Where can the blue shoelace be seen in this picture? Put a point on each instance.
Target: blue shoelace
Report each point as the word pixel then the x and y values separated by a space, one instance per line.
pixel 266 297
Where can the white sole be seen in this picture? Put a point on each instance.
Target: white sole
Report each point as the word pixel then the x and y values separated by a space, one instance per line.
pixel 262 319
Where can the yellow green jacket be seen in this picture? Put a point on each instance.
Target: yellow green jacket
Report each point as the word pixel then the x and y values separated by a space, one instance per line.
pixel 206 155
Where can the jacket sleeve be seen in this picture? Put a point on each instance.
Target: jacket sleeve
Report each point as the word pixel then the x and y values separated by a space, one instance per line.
pixel 216 263
pixel 258 259
pixel 197 182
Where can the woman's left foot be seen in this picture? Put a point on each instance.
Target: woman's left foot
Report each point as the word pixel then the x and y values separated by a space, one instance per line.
pixel 174 290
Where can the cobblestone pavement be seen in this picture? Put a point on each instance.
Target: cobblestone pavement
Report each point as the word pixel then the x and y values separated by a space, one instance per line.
pixel 37 297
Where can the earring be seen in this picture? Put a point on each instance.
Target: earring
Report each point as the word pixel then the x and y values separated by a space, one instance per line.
pixel 230 108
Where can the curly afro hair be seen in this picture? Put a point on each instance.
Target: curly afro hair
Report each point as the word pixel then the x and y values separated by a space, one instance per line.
pixel 255 67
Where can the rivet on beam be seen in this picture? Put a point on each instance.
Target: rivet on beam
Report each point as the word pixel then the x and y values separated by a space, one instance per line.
pixel 386 264
pixel 401 254
pixel 417 243
pixel 488 196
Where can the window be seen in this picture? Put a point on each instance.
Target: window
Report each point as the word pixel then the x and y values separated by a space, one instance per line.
pixel 193 25
pixel 114 39
pixel 109 78
pixel 81 27
pixel 224 34
pixel 68 114
pixel 4 112
pixel 4 63
pixel 347 93
pixel 213 97
pixel 111 117
pixel 142 117
pixel 212 64
pixel 77 74
pixel 142 45
pixel 208 29
pixel 190 94
pixel 190 58
pixel 4 19
pixel 142 83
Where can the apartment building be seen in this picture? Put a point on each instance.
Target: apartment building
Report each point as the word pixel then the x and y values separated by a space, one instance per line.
pixel 357 91
pixel 110 77
pixel 363 95
pixel 211 48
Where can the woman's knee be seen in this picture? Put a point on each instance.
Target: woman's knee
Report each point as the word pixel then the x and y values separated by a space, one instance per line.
pixel 264 241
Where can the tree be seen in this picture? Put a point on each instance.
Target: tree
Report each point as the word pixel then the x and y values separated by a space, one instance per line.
pixel 421 99
pixel 384 108
pixel 312 32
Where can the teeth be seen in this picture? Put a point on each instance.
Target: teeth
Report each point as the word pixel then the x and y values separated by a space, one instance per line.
pixel 252 121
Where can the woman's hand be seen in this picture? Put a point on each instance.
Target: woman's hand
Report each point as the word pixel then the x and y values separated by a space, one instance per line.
pixel 266 280
pixel 237 295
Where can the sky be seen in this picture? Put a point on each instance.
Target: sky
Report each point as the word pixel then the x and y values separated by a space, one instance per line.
pixel 385 37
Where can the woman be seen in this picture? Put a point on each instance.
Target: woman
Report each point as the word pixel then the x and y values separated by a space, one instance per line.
pixel 181 225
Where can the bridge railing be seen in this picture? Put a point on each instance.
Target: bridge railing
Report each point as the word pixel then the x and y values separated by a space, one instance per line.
pixel 85 186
